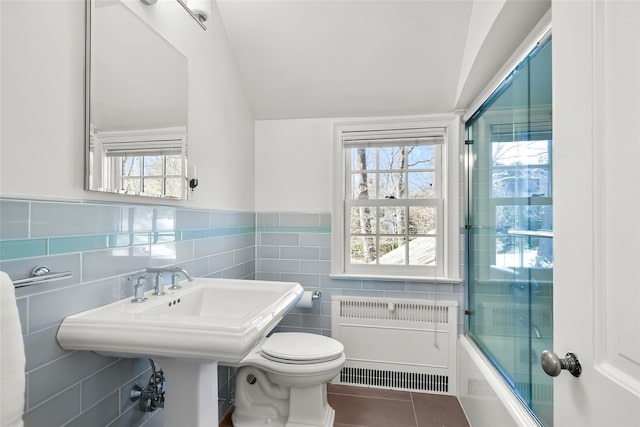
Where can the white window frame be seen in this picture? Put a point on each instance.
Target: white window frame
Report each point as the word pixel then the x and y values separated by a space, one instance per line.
pixel 449 237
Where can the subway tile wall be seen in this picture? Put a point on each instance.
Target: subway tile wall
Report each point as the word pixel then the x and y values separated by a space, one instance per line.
pixel 101 244
pixel 297 247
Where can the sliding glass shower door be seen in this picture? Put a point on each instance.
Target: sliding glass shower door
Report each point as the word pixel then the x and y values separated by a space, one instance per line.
pixel 510 229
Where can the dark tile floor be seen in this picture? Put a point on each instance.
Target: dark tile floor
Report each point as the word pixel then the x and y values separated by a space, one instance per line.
pixel 370 407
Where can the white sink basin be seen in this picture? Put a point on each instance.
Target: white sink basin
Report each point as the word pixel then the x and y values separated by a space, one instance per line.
pixel 209 320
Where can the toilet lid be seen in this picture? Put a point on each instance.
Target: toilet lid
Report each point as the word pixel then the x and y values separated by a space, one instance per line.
pixel 296 347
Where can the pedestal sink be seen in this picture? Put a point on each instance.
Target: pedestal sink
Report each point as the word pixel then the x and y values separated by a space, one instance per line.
pixel 188 331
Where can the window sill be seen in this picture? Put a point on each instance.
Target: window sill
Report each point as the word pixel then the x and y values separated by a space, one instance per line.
pixel 396 278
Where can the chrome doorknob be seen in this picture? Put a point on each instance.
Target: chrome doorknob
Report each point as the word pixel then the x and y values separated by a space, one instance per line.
pixel 553 365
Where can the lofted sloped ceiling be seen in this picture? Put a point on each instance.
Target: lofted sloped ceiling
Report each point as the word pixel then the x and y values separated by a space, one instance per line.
pixel 347 58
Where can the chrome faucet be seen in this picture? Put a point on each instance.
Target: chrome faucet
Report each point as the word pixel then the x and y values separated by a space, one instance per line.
pixel 138 288
pixel 174 271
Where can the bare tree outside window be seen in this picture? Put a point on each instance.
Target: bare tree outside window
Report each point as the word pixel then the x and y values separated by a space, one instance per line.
pixel 394 230
pixel 156 175
pixel 521 192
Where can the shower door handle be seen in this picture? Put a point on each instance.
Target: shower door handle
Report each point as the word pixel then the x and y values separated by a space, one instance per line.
pixel 553 365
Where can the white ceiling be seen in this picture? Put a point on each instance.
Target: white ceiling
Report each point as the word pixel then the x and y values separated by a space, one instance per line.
pixel 346 58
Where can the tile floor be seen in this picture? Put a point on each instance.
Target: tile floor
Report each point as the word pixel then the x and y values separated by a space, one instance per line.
pixel 369 407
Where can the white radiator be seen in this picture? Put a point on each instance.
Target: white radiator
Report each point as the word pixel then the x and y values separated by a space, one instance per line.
pixel 399 344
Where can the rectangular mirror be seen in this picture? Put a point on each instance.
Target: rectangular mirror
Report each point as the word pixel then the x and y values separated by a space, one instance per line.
pixel 136 106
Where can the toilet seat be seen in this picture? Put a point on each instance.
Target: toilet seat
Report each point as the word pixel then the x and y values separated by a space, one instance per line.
pixel 300 348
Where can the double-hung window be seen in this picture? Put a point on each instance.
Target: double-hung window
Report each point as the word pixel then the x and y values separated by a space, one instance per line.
pixel 390 218
pixel 521 194
pixel 146 162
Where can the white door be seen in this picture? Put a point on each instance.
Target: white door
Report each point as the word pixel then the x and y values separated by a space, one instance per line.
pixel 596 62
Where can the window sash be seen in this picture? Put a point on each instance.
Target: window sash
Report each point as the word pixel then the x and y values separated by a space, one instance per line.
pixel 437 170
pixel 115 165
pixel 436 269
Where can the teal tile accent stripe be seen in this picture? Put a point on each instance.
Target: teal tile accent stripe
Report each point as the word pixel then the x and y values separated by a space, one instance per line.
pixel 292 229
pixel 228 231
pixel 192 234
pixel 63 245
pixel 13 249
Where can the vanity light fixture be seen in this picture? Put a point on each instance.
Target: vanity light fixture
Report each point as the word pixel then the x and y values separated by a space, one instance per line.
pixel 193 182
pixel 200 12
pixel 200 8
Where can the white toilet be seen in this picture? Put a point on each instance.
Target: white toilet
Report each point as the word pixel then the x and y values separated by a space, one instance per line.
pixel 282 381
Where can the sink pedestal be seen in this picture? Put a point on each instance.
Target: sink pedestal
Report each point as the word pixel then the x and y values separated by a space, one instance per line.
pixel 191 398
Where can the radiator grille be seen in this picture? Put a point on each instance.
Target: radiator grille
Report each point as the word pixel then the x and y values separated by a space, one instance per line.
pixel 397 343
pixel 395 379
pixel 385 310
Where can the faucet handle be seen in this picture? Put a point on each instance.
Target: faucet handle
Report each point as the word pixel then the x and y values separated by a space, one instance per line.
pixel 158 289
pixel 175 282
pixel 138 287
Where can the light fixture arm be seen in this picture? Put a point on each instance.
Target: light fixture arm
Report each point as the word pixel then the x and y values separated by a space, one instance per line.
pixel 193 15
pixel 196 17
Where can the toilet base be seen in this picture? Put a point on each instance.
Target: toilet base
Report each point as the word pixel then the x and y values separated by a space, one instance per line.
pixel 262 403
pixel 240 420
pixel 308 407
pixel 328 420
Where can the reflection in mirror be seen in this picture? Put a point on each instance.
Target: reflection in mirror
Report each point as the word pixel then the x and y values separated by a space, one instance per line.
pixel 136 106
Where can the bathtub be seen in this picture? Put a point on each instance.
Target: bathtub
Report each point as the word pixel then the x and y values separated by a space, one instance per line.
pixel 485 397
